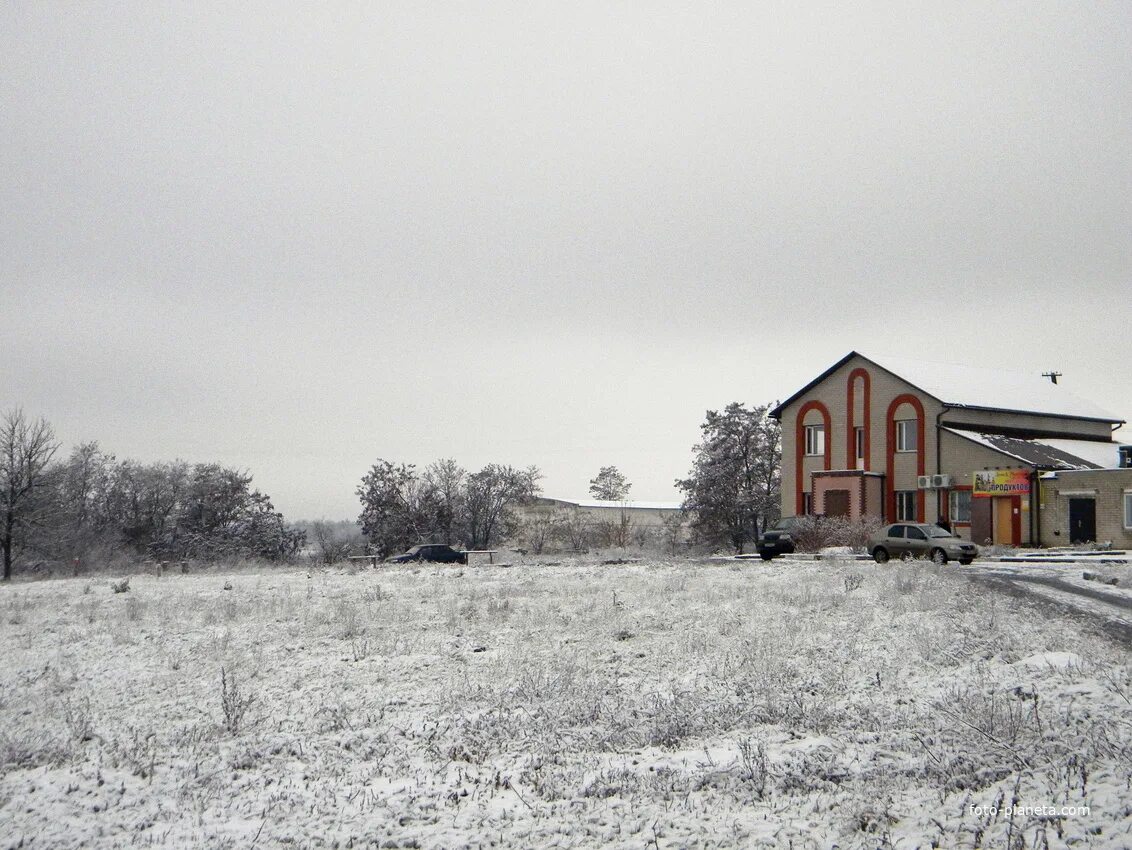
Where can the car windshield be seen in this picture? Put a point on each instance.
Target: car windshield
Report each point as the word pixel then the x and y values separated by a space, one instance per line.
pixel 414 550
pixel 936 531
pixel 785 524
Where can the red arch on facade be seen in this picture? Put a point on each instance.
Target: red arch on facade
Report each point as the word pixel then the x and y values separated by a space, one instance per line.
pixel 866 414
pixel 890 501
pixel 800 446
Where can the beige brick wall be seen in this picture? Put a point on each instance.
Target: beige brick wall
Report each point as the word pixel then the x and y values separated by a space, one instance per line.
pixel 1110 486
pixel 962 457
pixel 833 394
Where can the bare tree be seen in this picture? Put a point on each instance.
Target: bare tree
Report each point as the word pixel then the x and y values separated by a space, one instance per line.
pixel 672 532
pixel 334 541
pixel 447 480
pixel 616 532
pixel 27 448
pixel 541 527
pixel 491 494
pixel 576 530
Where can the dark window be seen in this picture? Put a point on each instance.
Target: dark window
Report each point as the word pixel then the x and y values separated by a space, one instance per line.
pixel 1126 457
pixel 896 531
pixel 906 504
pixel 916 533
pixel 837 503
pixel 807 503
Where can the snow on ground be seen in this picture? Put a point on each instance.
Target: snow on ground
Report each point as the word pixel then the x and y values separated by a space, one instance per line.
pixel 1065 584
pixel 693 704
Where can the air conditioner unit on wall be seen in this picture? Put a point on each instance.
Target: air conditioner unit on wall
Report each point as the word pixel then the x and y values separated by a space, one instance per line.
pixel 924 482
pixel 941 481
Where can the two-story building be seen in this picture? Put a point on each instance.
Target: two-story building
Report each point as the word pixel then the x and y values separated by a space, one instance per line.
pixel 1005 457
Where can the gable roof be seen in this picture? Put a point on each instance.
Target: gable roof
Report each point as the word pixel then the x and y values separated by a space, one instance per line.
pixel 976 387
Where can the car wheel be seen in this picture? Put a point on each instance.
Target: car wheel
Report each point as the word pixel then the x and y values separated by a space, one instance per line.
pixel 880 555
pixel 766 556
pixel 939 556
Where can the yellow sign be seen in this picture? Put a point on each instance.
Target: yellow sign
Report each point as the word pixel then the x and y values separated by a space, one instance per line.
pixel 1001 482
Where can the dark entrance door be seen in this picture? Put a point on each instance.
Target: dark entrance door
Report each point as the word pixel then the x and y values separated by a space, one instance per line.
pixel 837 503
pixel 1082 520
pixel 981 521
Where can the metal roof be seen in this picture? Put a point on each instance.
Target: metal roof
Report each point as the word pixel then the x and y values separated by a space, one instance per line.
pixel 1045 454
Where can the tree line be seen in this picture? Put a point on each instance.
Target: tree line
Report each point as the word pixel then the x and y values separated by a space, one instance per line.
pixel 89 506
pixel 443 503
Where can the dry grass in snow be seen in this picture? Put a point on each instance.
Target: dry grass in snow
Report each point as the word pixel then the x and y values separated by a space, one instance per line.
pixel 659 705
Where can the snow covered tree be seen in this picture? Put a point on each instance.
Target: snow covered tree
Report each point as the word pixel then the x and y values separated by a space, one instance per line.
pixel 398 507
pixel 26 450
pixel 610 485
pixel 491 494
pixel 445 504
pixel 144 502
pixel 211 513
pixel 734 488
pixel 447 482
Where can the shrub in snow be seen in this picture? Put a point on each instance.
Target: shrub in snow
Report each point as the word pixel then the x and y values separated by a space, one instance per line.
pixel 812 534
pixel 233 702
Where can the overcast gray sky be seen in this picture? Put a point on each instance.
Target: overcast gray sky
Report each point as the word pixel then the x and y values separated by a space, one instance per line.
pixel 300 238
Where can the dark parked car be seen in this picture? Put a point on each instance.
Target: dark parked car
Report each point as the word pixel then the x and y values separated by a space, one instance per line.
pixel 438 552
pixel 777 539
pixel 920 540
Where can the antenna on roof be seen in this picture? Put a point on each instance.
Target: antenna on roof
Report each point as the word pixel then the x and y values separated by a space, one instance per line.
pixel 1053 376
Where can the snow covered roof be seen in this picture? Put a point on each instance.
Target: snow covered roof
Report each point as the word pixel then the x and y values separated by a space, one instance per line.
pixel 1049 453
pixel 1102 455
pixel 959 385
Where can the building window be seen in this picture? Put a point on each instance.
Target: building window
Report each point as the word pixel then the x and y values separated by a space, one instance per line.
pixel 815 440
pixel 807 503
pixel 1128 510
pixel 906 435
pixel 1125 457
pixel 960 507
pixel 906 505
pixel 859 436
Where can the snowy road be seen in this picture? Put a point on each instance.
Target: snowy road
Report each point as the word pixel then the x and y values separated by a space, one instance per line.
pixel 1064 588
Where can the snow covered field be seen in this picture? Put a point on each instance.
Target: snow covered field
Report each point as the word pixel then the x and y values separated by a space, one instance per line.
pixel 692 704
